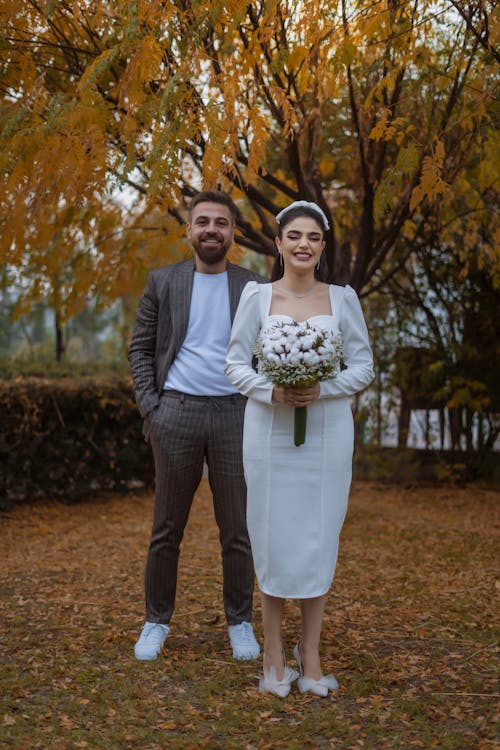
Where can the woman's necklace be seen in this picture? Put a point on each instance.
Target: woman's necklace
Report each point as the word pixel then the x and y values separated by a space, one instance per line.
pixel 299 296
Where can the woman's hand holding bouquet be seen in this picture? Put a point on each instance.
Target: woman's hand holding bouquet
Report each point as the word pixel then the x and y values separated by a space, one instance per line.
pixel 296 357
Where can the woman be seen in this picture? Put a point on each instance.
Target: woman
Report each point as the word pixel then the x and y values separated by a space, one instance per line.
pixel 297 496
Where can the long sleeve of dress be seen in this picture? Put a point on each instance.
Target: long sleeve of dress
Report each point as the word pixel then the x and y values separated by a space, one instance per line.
pixel 358 356
pixel 246 328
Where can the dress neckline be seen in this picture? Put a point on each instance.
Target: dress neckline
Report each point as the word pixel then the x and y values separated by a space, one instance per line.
pixel 305 320
pixel 290 317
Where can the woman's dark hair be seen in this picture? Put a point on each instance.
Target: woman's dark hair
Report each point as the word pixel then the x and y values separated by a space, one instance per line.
pixel 277 270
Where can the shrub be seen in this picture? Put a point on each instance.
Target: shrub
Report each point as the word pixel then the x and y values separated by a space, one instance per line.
pixel 70 437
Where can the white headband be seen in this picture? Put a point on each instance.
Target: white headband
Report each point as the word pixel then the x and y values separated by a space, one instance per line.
pixel 304 204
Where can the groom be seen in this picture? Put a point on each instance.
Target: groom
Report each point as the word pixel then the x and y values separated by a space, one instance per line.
pixel 192 413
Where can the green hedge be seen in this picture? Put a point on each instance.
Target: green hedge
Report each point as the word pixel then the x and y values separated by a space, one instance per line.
pixel 70 438
pixel 47 367
pixel 412 464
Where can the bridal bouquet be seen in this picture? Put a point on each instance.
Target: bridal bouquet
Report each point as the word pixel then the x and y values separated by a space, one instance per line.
pixel 298 355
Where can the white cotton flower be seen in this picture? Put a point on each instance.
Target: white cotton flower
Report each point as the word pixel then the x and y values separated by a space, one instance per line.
pixel 273 358
pixel 294 353
pixel 307 342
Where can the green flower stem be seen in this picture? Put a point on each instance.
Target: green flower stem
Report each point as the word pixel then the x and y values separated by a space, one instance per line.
pixel 299 426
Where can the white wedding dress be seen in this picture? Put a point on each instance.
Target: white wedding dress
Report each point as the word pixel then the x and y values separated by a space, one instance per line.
pixel 297 496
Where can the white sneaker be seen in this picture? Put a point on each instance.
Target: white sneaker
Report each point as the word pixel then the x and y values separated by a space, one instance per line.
pixel 243 641
pixel 151 641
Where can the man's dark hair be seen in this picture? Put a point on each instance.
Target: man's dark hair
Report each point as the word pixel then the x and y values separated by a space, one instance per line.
pixel 214 196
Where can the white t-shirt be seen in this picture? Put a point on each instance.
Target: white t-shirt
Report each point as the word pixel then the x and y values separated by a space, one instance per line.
pixel 198 368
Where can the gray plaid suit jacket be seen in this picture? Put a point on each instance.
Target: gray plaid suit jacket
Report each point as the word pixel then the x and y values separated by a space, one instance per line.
pixel 162 321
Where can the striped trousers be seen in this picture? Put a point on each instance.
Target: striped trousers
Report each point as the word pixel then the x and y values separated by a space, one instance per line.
pixel 184 430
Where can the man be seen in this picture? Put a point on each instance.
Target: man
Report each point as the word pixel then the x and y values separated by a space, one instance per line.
pixel 191 414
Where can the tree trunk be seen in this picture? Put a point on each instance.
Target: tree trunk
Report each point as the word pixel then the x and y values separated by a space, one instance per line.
pixel 60 347
pixel 404 421
pixel 468 427
pixel 379 408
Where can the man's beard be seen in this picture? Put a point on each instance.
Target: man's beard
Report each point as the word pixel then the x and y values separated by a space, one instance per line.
pixel 211 255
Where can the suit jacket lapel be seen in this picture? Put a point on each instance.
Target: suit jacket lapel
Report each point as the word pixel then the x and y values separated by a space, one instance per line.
pixel 181 287
pixel 180 301
pixel 235 288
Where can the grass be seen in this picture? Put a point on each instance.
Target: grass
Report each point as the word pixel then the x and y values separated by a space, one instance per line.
pixel 409 632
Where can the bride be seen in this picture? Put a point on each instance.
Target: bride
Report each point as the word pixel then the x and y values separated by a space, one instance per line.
pixel 297 496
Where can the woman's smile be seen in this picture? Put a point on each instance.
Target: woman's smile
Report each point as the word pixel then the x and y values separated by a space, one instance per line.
pixel 302 243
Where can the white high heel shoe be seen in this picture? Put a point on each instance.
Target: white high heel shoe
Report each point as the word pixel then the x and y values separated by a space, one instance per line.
pixel 316 687
pixel 270 684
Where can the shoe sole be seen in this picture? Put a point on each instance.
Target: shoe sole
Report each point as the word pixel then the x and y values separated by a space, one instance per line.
pixel 145 658
pixel 251 657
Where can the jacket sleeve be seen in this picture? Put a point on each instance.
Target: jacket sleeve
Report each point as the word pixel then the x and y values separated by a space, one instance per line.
pixel 141 354
pixel 358 357
pixel 246 328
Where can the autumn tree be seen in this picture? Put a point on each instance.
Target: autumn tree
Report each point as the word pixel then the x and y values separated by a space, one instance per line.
pixel 380 112
pixel 450 318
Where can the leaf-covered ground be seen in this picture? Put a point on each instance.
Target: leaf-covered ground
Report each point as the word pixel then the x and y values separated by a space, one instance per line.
pixel 409 632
